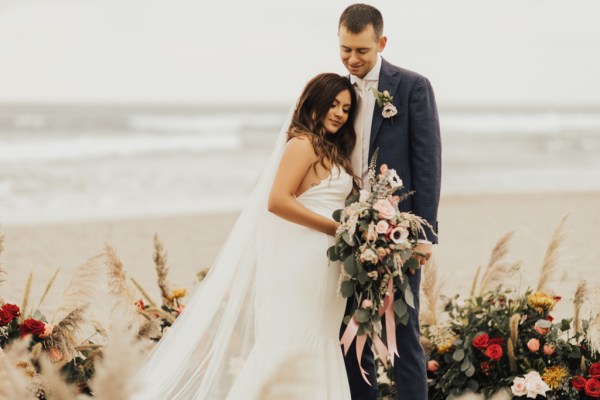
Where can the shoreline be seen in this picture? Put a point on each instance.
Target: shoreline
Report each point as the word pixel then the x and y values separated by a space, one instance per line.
pixel 470 226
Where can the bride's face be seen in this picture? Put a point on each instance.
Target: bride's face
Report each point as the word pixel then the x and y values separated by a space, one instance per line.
pixel 337 115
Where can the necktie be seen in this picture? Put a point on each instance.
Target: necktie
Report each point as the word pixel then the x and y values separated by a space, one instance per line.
pixel 356 157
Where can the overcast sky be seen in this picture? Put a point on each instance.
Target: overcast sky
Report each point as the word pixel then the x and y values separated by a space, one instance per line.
pixel 508 52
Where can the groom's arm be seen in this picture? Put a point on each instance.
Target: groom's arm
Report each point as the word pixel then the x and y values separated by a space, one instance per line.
pixel 426 153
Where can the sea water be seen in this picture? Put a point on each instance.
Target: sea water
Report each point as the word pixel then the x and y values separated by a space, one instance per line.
pixel 81 163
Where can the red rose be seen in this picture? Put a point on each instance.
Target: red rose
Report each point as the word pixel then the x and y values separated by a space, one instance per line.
pixel 592 388
pixel 578 382
pixel 6 317
pixel 32 326
pixel 481 341
pixel 13 309
pixel 494 351
pixel 496 340
pixel 594 370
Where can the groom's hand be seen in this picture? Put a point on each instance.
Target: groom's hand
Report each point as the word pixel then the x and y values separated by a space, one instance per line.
pixel 422 253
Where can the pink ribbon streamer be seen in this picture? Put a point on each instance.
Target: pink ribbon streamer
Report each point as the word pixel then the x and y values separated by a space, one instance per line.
pixel 384 352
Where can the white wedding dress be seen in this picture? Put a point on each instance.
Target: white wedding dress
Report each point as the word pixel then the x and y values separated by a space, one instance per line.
pixel 298 309
pixel 264 324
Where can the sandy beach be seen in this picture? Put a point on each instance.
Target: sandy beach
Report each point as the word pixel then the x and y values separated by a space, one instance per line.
pixel 469 228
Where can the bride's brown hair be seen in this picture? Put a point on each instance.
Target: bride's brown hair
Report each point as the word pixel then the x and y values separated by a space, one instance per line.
pixel 314 103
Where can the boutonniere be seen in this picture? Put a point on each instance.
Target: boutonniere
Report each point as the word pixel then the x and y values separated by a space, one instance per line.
pixel 385 102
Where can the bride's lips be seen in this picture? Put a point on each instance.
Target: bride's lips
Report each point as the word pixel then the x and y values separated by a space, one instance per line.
pixel 335 123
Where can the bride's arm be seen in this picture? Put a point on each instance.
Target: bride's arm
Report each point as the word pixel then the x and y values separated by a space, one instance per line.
pixel 297 158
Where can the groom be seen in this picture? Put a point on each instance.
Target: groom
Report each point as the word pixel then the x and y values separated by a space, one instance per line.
pixel 408 142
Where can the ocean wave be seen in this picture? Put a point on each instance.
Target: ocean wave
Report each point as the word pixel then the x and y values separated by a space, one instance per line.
pixel 81 147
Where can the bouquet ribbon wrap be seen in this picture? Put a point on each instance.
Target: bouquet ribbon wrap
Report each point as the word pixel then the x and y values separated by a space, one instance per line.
pixel 351 331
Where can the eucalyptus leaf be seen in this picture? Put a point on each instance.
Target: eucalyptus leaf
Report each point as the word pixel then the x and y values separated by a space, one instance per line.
pixel 337 215
pixel 333 253
pixel 350 265
pixel 347 289
pixel 408 296
pixel 403 319
pixel 349 239
pixel 543 323
pixel 458 355
pixel 473 384
pixel 400 308
pixel 412 264
pixel 465 364
pixel 362 276
pixel 361 315
pixel 470 372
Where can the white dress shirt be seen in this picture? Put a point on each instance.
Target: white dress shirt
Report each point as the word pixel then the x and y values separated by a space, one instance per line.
pixel 363 127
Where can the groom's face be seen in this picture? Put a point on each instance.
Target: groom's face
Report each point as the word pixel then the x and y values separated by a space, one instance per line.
pixel 359 50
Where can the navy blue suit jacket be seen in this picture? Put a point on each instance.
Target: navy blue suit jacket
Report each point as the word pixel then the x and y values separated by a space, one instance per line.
pixel 410 141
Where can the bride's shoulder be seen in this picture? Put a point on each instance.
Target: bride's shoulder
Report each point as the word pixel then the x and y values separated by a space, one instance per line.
pixel 301 145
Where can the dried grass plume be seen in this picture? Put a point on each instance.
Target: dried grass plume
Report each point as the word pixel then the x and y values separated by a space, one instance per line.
pixel 431 289
pixel 498 270
pixel 162 271
pixel 551 259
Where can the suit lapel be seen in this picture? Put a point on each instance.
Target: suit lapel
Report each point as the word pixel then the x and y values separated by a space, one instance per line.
pixel 388 80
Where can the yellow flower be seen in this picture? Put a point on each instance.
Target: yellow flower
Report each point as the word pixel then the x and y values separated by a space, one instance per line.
pixel 542 302
pixel 445 347
pixel 177 293
pixel 555 375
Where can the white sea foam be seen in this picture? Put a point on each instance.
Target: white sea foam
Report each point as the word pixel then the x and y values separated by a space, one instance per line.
pixel 84 147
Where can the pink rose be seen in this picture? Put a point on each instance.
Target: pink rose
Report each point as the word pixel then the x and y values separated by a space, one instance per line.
pixel 533 345
pixel 383 169
pixel 367 304
pixel 382 227
pixel 549 349
pixel 55 355
pixel 395 200
pixel 433 366
pixel 385 208
pixel 47 331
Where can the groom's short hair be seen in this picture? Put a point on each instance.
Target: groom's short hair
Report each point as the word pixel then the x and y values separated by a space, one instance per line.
pixel 357 17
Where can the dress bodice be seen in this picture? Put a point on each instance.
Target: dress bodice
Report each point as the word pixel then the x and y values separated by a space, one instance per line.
pixel 328 195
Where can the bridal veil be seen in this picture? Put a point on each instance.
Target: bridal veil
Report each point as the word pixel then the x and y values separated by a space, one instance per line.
pixel 200 355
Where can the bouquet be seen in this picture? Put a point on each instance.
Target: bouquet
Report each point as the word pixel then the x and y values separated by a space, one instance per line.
pixel 375 243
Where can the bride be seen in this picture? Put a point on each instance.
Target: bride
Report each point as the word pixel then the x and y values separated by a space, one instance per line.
pixel 265 322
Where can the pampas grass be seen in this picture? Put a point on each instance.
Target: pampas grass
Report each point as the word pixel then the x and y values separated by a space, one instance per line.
pixel 593 333
pixel 2 272
pixel 47 289
pixel 430 289
pixel 55 386
pixel 551 259
pixel 497 270
pixel 162 271
pixel 578 300
pixel 115 370
pixel 26 294
pixel 124 303
pixel 83 287
pixel 14 383
pixel 64 334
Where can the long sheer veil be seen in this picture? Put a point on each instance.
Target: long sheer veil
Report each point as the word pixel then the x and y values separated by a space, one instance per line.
pixel 201 354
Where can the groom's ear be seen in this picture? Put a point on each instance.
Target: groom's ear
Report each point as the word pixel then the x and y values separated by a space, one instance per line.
pixel 381 43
